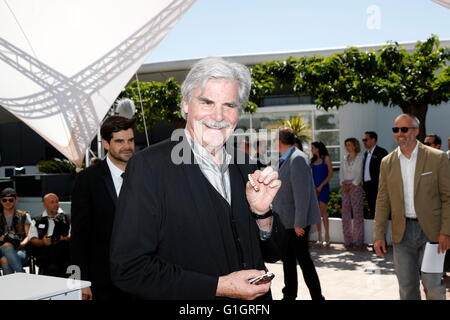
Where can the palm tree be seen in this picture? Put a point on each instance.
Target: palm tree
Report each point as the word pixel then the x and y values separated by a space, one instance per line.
pixel 301 129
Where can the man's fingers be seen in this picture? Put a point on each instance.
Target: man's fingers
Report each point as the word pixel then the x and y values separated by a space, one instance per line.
pixel 252 183
pixel 264 174
pixel 379 252
pixel 380 248
pixel 270 177
pixel 275 183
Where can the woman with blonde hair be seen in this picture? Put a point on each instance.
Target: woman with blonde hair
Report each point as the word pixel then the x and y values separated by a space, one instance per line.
pixel 352 195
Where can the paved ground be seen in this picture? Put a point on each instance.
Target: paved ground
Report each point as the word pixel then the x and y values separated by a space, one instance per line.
pixel 346 275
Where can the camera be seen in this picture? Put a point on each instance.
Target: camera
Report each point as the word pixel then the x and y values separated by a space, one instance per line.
pixel 13 239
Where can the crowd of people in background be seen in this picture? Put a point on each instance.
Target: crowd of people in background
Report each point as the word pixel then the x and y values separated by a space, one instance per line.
pixel 45 238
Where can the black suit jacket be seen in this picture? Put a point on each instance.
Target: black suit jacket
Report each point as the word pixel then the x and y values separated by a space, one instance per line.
pixel 375 162
pixel 93 205
pixel 167 243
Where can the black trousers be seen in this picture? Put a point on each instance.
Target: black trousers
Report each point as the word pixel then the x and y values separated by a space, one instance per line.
pixel 53 260
pixel 371 191
pixel 297 250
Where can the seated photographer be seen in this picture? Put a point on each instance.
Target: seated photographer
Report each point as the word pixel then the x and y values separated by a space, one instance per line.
pixel 50 235
pixel 14 226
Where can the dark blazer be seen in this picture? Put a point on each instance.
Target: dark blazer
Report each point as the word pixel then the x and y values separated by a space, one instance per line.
pixel 296 201
pixel 93 204
pixel 375 162
pixel 167 242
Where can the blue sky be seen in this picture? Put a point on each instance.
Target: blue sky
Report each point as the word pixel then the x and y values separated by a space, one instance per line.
pixel 226 27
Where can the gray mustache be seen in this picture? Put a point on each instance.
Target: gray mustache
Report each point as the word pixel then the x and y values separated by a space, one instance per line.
pixel 216 125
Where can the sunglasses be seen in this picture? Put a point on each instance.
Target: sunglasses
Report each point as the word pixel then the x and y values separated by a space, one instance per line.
pixel 364 140
pixel 402 129
pixel 8 200
pixel 427 143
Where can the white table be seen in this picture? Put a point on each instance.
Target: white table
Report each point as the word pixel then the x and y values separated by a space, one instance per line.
pixel 25 286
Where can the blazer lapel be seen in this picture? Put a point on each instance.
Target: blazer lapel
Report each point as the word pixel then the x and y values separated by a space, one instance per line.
pixel 204 209
pixel 419 166
pixel 397 172
pixel 107 180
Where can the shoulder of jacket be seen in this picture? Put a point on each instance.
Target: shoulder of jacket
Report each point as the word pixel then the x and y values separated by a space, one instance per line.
pixel 93 168
pixel 162 148
pixel 390 156
pixel 434 152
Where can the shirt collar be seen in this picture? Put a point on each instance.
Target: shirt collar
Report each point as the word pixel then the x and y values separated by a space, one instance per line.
pixel 413 154
pixel 203 156
pixel 287 153
pixel 371 149
pixel 117 172
pixel 45 213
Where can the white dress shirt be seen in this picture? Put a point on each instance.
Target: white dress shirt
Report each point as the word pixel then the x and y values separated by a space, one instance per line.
pixel 33 232
pixel 367 165
pixel 218 176
pixel 352 170
pixel 408 167
pixel 116 175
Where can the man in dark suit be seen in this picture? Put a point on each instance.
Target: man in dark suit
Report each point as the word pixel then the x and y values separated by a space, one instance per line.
pixel 189 223
pixel 371 169
pixel 94 198
pixel 296 203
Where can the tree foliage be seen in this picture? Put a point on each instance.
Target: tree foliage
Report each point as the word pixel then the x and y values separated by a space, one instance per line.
pixel 298 124
pixel 56 165
pixel 160 100
pixel 391 76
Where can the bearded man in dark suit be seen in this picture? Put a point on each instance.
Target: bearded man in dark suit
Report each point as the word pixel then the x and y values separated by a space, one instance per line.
pixel 94 199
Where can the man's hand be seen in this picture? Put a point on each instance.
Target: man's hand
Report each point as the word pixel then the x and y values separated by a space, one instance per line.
pixel 380 248
pixel 268 184
pixel 86 293
pixel 444 243
pixel 47 241
pixel 235 285
pixel 2 238
pixel 299 231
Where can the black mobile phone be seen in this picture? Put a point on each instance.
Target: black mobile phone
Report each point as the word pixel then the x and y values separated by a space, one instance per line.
pixel 267 277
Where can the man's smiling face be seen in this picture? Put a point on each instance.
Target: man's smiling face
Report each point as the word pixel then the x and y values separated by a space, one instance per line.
pixel 213 112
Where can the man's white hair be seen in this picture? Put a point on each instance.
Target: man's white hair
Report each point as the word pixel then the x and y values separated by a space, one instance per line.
pixel 216 68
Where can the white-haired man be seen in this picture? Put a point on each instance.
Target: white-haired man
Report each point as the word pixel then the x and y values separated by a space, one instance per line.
pixel 189 224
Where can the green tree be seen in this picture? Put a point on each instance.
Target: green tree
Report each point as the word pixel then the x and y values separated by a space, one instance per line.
pixel 270 76
pixel 392 76
pixel 301 129
pixel 160 100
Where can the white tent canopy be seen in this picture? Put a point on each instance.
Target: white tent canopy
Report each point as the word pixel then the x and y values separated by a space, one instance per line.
pixel 63 63
pixel 445 3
